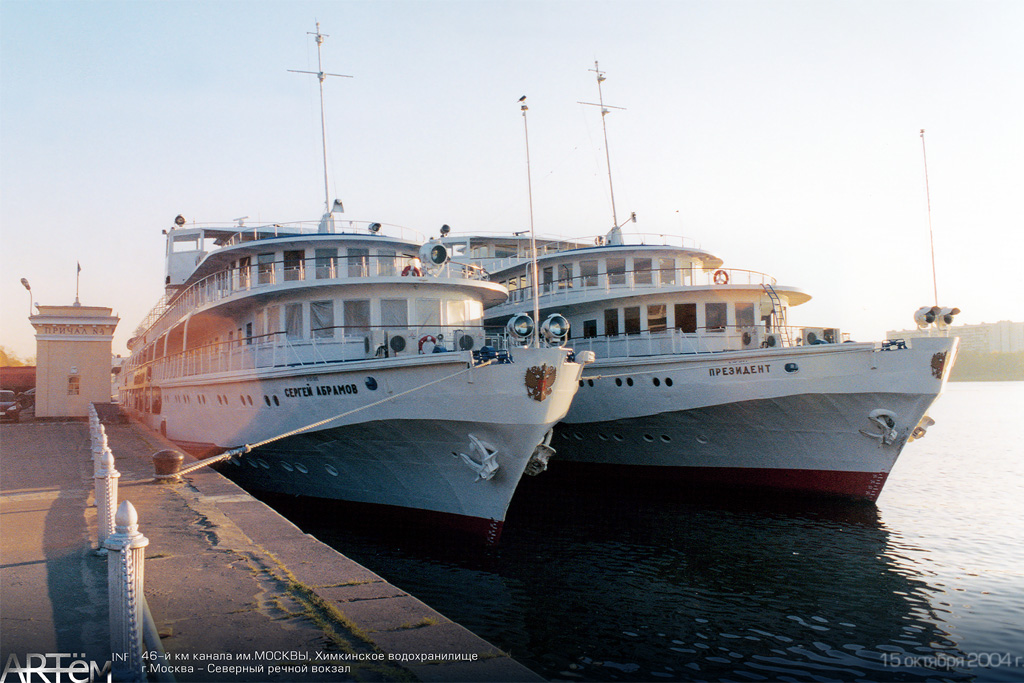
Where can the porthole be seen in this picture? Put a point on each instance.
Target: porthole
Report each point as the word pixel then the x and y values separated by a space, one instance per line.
pixel 668 381
pixel 371 384
pixel 579 437
pixel 331 471
pixel 564 436
pixel 241 399
pixel 276 402
pixel 252 462
pixel 301 468
pixel 666 438
pixel 656 381
pixel 590 382
pixel 248 399
pixel 618 437
pixel 701 439
pixel 267 399
pixel 581 383
pixel 287 466
pixel 629 381
pixel 648 438
pixel 603 437
pixel 263 463
pixel 618 381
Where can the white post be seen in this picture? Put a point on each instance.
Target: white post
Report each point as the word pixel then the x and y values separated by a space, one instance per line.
pixel 125 585
pixel 105 486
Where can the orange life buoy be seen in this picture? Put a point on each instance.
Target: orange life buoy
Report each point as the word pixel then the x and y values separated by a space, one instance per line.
pixel 721 277
pixel 427 338
pixel 412 270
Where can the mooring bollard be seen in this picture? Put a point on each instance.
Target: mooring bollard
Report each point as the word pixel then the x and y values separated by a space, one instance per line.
pixel 105 486
pixel 125 573
pixel 166 465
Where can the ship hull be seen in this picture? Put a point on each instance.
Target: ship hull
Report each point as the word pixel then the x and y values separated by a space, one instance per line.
pixel 741 420
pixel 415 442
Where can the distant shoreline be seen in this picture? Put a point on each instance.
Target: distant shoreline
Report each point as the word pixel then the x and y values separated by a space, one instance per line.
pixel 975 366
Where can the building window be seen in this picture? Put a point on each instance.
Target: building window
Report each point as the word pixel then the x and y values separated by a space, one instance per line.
pixel 657 318
pixel 589 329
pixel 686 318
pixel 611 321
pixel 321 319
pixel 714 317
pixel 73 385
pixel 632 319
pixel 744 315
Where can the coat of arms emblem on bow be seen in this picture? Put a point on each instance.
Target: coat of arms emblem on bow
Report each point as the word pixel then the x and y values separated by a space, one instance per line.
pixel 540 381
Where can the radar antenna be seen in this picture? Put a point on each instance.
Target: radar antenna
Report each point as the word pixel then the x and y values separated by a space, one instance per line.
pixel 604 127
pixel 321 75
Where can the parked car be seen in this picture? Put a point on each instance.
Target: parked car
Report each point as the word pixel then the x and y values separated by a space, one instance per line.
pixel 10 408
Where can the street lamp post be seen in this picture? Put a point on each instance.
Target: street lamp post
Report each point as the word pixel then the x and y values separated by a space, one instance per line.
pixel 24 283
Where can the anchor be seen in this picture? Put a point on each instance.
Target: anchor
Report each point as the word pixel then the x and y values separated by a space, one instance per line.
pixel 885 422
pixel 541 454
pixel 487 465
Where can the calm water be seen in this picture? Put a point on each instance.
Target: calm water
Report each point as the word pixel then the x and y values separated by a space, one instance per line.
pixel 926 586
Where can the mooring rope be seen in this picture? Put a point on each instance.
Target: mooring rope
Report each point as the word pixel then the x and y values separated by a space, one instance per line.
pixel 242 450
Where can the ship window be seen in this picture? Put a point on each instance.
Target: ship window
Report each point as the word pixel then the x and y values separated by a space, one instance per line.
pixel 456 313
pixel 248 334
pixel 686 317
pixel 667 271
pixel 185 243
pixel 294 262
pixel 357 316
pixel 273 319
pixel 293 321
pixel 616 271
pixel 657 318
pixel 394 313
pixel 744 315
pixel 642 271
pixel 611 321
pixel 358 258
pixel 326 263
pixel 549 277
pixel 386 262
pixel 588 273
pixel 632 319
pixel 505 250
pixel 244 271
pixel 513 284
pixel 265 269
pixel 589 329
pixel 565 276
pixel 428 312
pixel 714 317
pixel 321 319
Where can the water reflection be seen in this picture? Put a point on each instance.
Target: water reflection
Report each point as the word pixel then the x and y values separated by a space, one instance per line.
pixel 642 586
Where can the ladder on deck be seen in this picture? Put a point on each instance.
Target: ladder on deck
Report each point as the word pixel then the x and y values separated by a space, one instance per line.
pixel 778 315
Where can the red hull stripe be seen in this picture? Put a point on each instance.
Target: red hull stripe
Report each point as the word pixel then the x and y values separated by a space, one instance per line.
pixel 856 485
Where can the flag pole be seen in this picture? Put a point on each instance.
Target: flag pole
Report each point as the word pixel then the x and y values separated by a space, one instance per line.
pixel 78 276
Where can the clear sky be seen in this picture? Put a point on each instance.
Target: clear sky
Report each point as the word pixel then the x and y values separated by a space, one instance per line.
pixel 782 136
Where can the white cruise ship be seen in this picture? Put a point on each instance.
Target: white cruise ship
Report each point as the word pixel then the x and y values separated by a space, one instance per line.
pixel 699 378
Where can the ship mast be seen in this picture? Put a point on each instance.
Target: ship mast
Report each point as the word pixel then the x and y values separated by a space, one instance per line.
pixel 321 75
pixel 607 156
pixel 931 235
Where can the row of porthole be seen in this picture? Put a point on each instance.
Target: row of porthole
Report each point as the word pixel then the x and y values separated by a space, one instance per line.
pixel 257 462
pixel 222 399
pixel 649 438
pixel 656 381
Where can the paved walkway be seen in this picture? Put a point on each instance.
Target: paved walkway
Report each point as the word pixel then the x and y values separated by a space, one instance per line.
pixel 226 576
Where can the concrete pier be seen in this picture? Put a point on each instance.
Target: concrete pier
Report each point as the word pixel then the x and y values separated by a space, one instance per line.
pixel 229 581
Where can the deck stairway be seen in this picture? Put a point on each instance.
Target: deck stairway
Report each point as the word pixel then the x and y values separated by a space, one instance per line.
pixel 778 315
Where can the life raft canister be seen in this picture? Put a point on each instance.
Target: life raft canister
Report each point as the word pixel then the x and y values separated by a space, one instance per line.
pixel 427 338
pixel 721 277
pixel 412 270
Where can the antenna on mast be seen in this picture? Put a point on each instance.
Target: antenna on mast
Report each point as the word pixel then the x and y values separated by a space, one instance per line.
pixel 615 231
pixel 931 236
pixel 321 75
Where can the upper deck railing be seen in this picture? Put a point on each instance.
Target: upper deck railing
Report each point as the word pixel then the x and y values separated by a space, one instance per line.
pixel 549 246
pixel 320 269
pixel 306 228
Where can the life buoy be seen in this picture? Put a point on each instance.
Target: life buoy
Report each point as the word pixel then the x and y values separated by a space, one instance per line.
pixel 427 338
pixel 721 277
pixel 412 270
